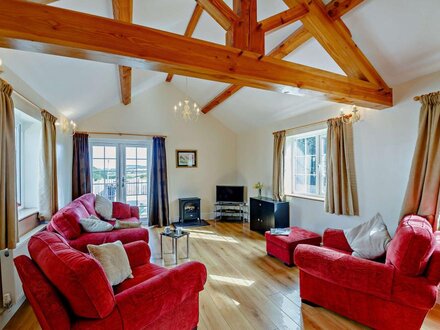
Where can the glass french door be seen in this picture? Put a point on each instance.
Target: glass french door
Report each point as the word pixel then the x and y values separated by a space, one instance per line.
pixel 120 171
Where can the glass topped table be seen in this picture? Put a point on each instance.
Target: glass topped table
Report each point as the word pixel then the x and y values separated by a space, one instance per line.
pixel 174 236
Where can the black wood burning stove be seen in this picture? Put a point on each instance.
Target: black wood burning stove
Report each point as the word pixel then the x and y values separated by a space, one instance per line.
pixel 189 209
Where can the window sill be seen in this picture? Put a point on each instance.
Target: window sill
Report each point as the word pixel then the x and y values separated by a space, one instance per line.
pixel 26 212
pixel 313 198
pixel 29 234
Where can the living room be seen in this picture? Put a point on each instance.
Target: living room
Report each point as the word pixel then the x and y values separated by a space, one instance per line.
pixel 113 118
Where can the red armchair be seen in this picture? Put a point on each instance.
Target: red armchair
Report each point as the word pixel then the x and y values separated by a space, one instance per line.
pixel 67 289
pixel 396 294
pixel 66 223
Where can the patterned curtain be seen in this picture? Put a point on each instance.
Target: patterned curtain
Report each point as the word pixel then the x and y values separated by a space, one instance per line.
pixel 423 192
pixel 8 198
pixel 48 183
pixel 158 203
pixel 341 196
pixel 81 182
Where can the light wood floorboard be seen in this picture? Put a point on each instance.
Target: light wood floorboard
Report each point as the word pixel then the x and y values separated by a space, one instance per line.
pixel 246 289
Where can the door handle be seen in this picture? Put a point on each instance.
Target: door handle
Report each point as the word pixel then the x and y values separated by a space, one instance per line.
pixel 123 181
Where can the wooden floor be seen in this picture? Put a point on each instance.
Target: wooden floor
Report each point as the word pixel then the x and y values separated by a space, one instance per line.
pixel 246 289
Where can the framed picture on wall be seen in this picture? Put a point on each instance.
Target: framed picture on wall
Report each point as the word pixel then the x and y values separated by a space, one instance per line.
pixel 186 158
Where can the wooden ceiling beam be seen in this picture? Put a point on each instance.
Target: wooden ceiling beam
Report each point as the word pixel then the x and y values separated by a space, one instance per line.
pixel 282 19
pixel 220 12
pixel 51 30
pixel 223 96
pixel 335 9
pixel 195 17
pixel 123 11
pixel 335 39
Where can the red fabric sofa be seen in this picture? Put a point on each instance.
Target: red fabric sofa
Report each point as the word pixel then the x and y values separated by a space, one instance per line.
pixel 68 289
pixel 396 294
pixel 66 223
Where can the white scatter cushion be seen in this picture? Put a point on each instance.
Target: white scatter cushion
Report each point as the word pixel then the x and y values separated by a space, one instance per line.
pixel 95 225
pixel 104 207
pixel 113 259
pixel 370 239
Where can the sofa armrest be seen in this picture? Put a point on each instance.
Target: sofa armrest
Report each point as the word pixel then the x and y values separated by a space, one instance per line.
pixel 134 211
pixel 345 270
pixel 335 239
pixel 138 253
pixel 160 292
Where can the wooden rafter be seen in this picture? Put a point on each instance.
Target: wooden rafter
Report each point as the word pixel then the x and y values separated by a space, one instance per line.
pixel 337 8
pixel 337 42
pixel 195 17
pixel 123 11
pixel 282 19
pixel 228 92
pixel 220 12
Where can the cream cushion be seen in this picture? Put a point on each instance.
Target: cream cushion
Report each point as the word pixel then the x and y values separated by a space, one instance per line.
pixel 104 207
pixel 94 225
pixel 127 224
pixel 370 239
pixel 113 259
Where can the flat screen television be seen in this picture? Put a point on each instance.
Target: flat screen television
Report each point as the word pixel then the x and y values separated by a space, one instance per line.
pixel 230 194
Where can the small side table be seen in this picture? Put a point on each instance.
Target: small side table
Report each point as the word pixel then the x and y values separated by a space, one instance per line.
pixel 174 236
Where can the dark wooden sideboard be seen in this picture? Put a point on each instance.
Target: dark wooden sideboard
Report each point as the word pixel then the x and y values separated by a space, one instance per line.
pixel 266 213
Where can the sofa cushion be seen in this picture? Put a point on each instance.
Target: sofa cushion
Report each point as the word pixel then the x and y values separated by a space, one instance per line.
pixel 66 220
pixel 124 235
pixel 88 201
pixel 369 240
pixel 78 277
pixel 345 270
pixel 113 259
pixel 412 246
pixel 95 225
pixel 121 210
pixel 140 274
pixel 103 207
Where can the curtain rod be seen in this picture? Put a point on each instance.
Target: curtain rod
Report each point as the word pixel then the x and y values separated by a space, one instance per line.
pixel 26 99
pixel 120 134
pixel 419 97
pixel 311 124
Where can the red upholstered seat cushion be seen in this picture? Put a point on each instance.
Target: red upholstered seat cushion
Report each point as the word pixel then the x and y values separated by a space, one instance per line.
pixel 121 210
pixel 345 270
pixel 79 277
pixel 66 220
pixel 297 236
pixel 124 235
pixel 140 274
pixel 412 246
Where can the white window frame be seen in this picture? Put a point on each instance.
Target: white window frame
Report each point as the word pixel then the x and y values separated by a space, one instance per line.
pixel 120 159
pixel 19 164
pixel 320 168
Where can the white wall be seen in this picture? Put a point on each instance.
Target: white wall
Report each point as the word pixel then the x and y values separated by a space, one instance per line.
pixel 151 112
pixel 64 139
pixel 384 144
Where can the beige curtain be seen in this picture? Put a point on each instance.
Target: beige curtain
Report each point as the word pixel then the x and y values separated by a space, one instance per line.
pixel 341 196
pixel 8 197
pixel 48 172
pixel 423 191
pixel 279 140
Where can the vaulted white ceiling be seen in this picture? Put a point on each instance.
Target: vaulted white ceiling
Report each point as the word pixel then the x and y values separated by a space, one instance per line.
pixel 400 38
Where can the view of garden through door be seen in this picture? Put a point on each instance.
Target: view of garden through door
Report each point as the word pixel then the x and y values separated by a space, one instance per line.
pixel 120 171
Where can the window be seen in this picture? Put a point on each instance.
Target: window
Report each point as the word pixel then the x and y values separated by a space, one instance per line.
pixel 120 171
pixel 27 145
pixel 18 161
pixel 305 164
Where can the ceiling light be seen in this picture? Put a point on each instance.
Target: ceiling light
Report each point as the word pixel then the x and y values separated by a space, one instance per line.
pixel 186 110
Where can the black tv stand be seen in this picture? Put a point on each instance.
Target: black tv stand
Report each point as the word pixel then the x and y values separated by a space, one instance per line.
pixel 231 211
